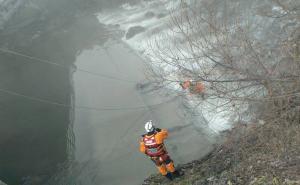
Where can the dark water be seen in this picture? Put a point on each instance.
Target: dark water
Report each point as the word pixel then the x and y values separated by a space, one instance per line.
pixel 33 135
pixel 44 143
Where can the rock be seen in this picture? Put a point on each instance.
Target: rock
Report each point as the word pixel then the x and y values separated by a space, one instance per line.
pixel 229 182
pixel 261 122
pixel 275 163
pixel 161 15
pixel 134 31
pixel 116 25
pixel 142 86
pixel 149 15
pixel 210 179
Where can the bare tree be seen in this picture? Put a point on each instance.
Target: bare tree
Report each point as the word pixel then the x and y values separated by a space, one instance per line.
pixel 245 52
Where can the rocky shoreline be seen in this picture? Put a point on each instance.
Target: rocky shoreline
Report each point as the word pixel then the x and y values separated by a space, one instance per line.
pixel 242 159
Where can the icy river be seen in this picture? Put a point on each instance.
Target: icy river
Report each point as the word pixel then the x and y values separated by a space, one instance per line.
pixel 71 107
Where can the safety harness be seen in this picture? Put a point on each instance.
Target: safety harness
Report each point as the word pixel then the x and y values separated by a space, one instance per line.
pixel 152 148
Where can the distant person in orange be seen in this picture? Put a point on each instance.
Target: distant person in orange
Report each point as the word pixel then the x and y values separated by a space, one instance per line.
pixel 186 84
pixel 152 144
pixel 194 87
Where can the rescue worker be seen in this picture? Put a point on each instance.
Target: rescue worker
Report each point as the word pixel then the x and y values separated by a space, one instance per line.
pixel 186 84
pixel 194 87
pixel 152 144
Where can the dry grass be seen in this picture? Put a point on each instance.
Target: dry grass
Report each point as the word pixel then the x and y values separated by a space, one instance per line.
pixel 254 154
pixel 265 154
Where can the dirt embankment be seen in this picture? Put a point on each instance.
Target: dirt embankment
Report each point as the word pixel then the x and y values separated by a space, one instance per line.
pixel 256 154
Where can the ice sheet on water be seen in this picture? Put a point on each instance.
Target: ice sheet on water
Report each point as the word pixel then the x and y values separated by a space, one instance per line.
pixel 158 29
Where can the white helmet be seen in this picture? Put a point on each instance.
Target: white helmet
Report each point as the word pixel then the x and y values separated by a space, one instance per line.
pixel 149 127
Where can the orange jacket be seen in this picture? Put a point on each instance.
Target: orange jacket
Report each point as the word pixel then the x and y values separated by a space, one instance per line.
pixel 194 87
pixel 186 84
pixel 159 136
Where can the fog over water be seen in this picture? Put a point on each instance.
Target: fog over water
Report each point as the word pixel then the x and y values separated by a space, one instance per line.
pixel 70 109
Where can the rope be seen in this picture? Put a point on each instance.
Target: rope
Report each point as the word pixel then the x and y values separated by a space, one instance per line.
pixel 44 61
pixel 83 107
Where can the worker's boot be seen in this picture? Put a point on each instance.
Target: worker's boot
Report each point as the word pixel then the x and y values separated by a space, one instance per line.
pixel 170 167
pixel 176 174
pixel 169 176
pixel 163 170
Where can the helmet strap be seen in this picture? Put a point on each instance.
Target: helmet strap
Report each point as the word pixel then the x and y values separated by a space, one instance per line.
pixel 151 133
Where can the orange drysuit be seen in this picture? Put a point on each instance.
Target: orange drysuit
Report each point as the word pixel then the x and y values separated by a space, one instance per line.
pixel 194 87
pixel 153 146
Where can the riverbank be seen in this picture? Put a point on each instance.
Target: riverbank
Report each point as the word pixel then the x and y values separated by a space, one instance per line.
pixel 255 154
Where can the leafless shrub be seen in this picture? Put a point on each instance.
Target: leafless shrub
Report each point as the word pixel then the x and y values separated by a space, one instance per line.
pixel 244 51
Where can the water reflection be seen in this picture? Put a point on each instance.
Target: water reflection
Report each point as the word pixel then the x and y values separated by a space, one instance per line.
pixel 36 138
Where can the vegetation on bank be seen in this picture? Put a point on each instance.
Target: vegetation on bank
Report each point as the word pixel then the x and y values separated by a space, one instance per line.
pixel 256 154
pixel 247 53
